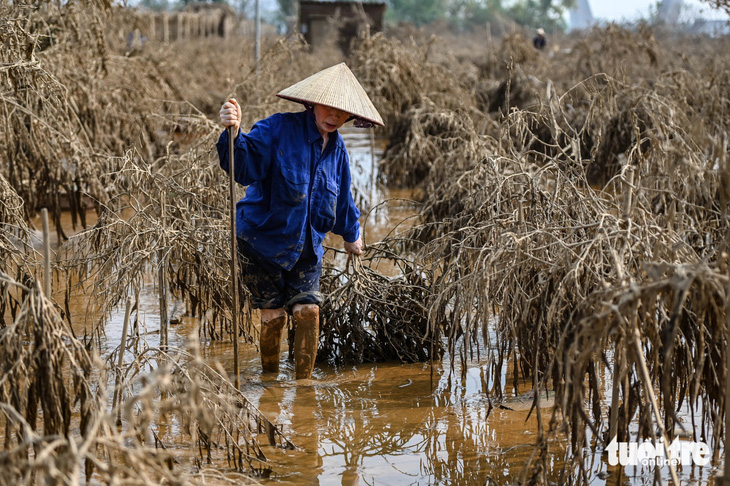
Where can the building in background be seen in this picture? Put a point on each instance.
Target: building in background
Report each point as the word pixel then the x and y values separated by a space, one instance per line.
pixel 669 11
pixel 581 16
pixel 713 28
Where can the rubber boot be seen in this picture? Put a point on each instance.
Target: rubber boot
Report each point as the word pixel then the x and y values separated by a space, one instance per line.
pixel 306 339
pixel 270 340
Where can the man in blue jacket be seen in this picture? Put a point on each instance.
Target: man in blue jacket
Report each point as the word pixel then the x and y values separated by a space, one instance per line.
pixel 297 171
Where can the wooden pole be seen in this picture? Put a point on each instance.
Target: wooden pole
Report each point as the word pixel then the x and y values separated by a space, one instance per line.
pixel 628 192
pixel 234 258
pixel 164 321
pixel 489 40
pixel 726 469
pixel 46 254
pixel 257 42
pixel 725 164
pixel 372 166
pixel 120 360
pixel 165 28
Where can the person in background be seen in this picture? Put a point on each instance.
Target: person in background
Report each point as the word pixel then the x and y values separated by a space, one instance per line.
pixel 297 171
pixel 539 41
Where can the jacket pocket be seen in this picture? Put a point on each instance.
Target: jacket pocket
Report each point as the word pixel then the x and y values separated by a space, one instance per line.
pixel 324 214
pixel 293 187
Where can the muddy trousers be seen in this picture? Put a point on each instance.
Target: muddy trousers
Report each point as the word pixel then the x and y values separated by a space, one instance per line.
pixel 306 338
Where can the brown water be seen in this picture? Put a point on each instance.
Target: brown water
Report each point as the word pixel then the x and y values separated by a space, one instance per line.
pixel 386 423
pixel 383 423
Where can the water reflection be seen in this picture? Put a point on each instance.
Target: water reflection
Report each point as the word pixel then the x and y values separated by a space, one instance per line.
pixel 384 424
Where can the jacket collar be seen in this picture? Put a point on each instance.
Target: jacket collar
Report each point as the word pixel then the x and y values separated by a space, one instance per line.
pixel 313 134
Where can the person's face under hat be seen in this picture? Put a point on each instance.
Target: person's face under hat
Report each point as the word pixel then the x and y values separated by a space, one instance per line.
pixel 329 119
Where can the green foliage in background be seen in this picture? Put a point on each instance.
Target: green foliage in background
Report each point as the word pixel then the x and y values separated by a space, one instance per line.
pixel 156 5
pixel 547 14
pixel 465 14
pixel 416 12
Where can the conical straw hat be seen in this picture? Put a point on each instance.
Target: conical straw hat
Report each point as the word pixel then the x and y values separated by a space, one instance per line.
pixel 336 87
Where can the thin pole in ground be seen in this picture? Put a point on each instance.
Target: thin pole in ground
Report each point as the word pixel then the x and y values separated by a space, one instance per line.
pixel 234 260
pixel 257 34
pixel 372 166
pixel 726 467
pixel 120 361
pixel 164 321
pixel 46 254
pixel 725 481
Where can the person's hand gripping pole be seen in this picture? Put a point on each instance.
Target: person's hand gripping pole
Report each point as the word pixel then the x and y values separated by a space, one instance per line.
pixel 230 115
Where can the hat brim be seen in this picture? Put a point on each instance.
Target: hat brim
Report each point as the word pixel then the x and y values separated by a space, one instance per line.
pixel 307 102
pixel 335 87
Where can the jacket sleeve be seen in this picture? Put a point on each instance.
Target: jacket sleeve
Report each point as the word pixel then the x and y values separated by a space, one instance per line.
pixel 252 152
pixel 346 222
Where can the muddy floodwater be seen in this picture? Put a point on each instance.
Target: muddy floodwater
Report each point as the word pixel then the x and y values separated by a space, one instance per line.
pixel 385 423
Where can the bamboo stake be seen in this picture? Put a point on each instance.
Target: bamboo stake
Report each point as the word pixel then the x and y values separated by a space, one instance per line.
pixel 628 192
pixel 234 260
pixel 120 360
pixel 372 166
pixel 165 28
pixel 726 470
pixel 257 35
pixel 164 320
pixel 46 254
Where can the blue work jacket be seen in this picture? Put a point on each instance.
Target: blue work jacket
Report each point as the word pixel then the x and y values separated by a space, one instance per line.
pixel 292 184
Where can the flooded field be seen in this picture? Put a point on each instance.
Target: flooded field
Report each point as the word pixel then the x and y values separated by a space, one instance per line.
pixel 544 284
pixel 380 423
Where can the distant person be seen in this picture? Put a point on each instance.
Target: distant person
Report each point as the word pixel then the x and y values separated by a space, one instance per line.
pixel 297 170
pixel 539 41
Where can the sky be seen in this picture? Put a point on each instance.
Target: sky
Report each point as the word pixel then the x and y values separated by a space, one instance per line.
pixel 620 10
